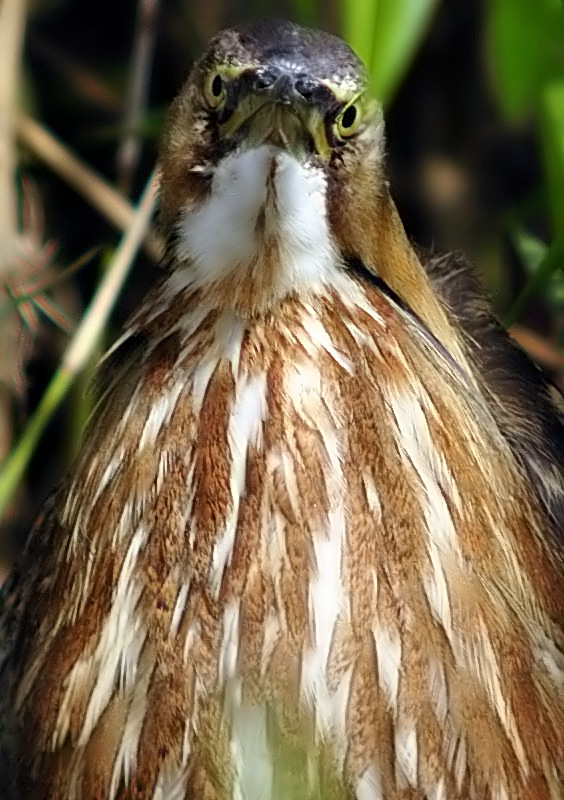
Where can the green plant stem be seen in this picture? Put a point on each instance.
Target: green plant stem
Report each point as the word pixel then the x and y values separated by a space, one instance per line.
pixel 81 346
pixel 553 260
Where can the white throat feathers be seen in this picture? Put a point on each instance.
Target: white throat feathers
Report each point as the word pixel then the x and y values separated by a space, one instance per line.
pixel 262 230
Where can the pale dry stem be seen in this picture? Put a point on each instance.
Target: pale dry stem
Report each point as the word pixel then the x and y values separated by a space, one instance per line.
pixel 100 194
pixel 13 348
pixel 129 150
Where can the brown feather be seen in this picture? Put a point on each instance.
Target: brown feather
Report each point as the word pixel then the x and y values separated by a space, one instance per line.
pixel 314 542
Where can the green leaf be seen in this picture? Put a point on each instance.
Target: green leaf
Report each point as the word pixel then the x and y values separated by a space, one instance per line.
pixel 525 43
pixel 552 133
pixel 531 249
pixel 553 260
pixel 386 35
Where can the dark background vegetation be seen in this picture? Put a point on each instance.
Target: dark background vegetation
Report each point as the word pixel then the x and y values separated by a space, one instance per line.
pixel 475 128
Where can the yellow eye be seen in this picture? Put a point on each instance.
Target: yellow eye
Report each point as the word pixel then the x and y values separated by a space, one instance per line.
pixel 215 90
pixel 348 121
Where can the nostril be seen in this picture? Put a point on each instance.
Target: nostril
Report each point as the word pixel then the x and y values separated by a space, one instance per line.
pixel 305 86
pixel 265 78
pixel 284 88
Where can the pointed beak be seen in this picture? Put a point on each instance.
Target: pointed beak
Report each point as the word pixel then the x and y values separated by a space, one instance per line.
pixel 278 108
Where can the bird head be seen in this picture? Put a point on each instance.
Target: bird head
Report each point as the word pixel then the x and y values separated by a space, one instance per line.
pixel 272 177
pixel 301 91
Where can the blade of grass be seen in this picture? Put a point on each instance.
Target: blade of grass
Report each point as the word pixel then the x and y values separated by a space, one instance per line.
pixel 81 346
pixel 524 42
pixel 358 26
pixel 552 132
pixel 386 35
pixel 530 248
pixel 552 261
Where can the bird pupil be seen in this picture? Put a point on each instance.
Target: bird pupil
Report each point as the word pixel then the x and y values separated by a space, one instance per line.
pixel 348 117
pixel 217 86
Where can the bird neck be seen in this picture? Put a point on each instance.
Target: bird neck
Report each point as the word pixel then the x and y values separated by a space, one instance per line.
pixel 259 235
pixel 372 232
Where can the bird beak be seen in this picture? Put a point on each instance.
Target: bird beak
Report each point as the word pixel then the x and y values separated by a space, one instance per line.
pixel 278 114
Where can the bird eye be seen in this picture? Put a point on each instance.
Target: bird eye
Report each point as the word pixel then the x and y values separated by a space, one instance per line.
pixel 215 90
pixel 346 124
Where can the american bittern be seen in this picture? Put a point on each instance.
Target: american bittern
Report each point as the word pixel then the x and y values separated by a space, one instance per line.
pixel 312 545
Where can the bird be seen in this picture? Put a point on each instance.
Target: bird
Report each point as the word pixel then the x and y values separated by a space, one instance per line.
pixel 311 546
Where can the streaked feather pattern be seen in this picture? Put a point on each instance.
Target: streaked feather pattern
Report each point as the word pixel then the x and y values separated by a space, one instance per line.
pixel 303 525
pixel 311 547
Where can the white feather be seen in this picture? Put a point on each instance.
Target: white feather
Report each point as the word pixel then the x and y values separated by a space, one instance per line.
pixel 405 741
pixel 244 430
pixel 171 783
pixel 251 753
pixel 229 648
pixel 119 646
pixel 415 443
pixel 221 236
pixel 388 656
pixel 369 785
pixel 159 414
pixel 126 758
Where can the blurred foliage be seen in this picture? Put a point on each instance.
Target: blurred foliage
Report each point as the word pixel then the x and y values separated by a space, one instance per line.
pixel 474 96
pixel 386 35
pixel 551 121
pixel 526 54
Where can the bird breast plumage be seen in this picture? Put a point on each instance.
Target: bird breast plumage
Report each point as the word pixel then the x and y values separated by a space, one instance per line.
pixel 292 523
pixel 309 548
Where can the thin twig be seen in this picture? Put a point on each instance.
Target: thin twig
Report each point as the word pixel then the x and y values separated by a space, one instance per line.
pixel 129 150
pixel 109 202
pixel 12 21
pixel 12 25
